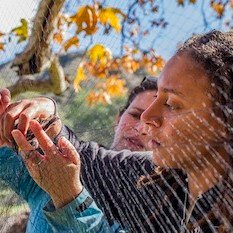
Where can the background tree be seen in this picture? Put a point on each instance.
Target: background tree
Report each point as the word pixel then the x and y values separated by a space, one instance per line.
pixel 54 26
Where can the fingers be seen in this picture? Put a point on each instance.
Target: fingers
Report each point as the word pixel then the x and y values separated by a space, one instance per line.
pixel 9 118
pixel 5 95
pixel 5 99
pixel 21 141
pixel 68 150
pixel 44 140
pixel 25 117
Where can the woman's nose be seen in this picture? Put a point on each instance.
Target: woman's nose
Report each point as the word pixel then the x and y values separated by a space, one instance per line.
pixel 152 115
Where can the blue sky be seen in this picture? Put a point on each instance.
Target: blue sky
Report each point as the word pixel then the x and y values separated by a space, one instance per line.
pixel 182 23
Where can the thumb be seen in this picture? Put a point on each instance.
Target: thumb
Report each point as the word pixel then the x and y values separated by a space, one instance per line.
pixel 68 150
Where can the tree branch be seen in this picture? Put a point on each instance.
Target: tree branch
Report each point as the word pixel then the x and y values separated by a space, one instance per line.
pixel 37 54
pixel 56 83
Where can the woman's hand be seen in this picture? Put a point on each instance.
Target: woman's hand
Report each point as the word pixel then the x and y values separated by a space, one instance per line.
pixel 5 98
pixel 22 112
pixel 57 171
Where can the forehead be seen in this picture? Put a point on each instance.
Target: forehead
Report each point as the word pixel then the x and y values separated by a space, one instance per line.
pixel 184 75
pixel 143 99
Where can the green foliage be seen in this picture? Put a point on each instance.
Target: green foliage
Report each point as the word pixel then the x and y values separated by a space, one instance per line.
pixel 91 123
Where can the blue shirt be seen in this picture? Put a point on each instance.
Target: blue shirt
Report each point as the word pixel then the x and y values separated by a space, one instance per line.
pixel 67 219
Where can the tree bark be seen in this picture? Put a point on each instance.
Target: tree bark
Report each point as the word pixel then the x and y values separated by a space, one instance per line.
pixel 56 82
pixel 37 54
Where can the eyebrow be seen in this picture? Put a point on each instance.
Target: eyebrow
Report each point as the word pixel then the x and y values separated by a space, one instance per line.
pixel 139 109
pixel 173 91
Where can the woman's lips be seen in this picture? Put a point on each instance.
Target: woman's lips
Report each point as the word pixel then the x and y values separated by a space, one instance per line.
pixel 135 143
pixel 152 144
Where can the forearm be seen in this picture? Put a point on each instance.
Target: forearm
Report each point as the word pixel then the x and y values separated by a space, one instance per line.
pixel 15 174
pixel 80 215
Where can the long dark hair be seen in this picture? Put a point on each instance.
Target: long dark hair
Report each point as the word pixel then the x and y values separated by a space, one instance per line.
pixel 214 52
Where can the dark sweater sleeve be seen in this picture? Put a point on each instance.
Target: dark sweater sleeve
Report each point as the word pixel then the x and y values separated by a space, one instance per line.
pixel 111 177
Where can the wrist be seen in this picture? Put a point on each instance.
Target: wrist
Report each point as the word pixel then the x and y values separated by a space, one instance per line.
pixel 64 198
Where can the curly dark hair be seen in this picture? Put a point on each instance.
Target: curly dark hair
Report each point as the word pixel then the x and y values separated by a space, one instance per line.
pixel 214 53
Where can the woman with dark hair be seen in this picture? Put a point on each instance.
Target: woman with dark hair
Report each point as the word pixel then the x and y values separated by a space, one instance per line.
pixel 128 127
pixel 188 127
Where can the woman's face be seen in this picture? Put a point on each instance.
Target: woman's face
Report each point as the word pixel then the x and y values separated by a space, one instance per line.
pixel 128 131
pixel 180 122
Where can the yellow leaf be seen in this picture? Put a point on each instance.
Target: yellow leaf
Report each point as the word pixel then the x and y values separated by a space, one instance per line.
pixel 58 37
pixel 80 76
pixel 85 19
pixel 110 16
pixel 1 46
pixel 98 53
pixel 21 31
pixel 192 1
pixel 160 62
pixel 115 86
pixel 129 64
pixel 73 41
pixel 99 97
pixel 180 2
pixel 218 8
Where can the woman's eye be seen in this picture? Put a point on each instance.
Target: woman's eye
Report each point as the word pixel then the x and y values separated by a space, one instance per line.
pixel 135 115
pixel 171 106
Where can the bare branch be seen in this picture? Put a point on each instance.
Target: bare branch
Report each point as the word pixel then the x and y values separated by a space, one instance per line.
pixel 37 53
pixel 56 83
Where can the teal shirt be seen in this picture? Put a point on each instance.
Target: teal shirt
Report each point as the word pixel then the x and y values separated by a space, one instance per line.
pixel 44 217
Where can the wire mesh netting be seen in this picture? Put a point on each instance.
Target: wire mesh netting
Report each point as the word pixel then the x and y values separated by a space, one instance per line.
pixel 127 153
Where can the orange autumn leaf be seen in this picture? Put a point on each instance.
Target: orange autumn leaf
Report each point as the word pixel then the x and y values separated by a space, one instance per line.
pixel 99 97
pixel 180 2
pixel 80 76
pixel 85 19
pixel 110 16
pixel 218 8
pixel 115 86
pixel 192 1
pixel 129 64
pixel 160 62
pixel 58 37
pixel 73 41
pixel 2 46
pixel 99 54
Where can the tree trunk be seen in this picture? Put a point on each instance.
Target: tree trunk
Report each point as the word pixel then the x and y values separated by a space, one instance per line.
pixel 37 54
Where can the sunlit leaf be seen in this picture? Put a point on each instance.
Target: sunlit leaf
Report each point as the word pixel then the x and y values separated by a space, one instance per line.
pixel 80 76
pixel 21 31
pixel 180 2
pixel 110 16
pixel 193 1
pixel 99 97
pixel 218 8
pixel 2 46
pixel 129 64
pixel 85 19
pixel 160 62
pixel 115 86
pixel 73 41
pixel 58 37
pixel 99 53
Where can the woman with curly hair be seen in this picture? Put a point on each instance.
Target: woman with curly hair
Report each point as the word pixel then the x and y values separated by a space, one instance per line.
pixel 188 127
